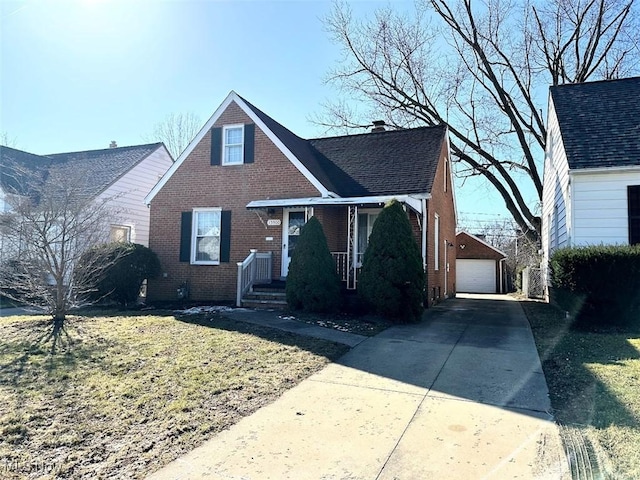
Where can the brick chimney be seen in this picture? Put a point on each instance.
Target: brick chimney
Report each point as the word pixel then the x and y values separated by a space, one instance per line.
pixel 378 126
pixel 113 144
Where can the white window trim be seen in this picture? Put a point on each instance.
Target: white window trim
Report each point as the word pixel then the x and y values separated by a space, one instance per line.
pixel 223 161
pixel 436 243
pixel 194 237
pixel 123 227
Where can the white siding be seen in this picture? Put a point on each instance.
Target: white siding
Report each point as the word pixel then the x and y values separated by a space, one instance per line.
pixel 129 192
pixel 8 248
pixel 600 206
pixel 556 206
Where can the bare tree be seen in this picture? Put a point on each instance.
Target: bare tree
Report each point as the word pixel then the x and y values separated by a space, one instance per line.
pixel 176 131
pixel 7 140
pixel 483 69
pixel 53 217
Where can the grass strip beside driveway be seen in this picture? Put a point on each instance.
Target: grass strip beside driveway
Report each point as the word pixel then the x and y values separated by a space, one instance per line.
pixel 131 393
pixel 594 383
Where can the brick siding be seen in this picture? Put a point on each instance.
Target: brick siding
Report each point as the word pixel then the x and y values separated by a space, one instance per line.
pixel 199 184
pixel 272 176
pixel 441 203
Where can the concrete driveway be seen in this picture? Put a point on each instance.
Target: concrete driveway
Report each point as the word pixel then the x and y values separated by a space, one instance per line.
pixel 461 395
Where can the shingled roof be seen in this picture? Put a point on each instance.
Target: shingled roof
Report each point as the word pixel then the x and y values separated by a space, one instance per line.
pixel 382 163
pixel 103 167
pixel 16 165
pixel 599 122
pixel 106 165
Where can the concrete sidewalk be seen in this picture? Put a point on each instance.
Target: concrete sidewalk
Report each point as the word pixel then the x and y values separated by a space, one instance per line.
pixel 461 395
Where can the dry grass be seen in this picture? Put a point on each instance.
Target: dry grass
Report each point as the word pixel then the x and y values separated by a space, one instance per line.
pixel 128 394
pixel 594 383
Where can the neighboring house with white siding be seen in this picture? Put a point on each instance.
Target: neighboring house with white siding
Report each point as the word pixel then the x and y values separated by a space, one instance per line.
pixel 591 192
pixel 123 174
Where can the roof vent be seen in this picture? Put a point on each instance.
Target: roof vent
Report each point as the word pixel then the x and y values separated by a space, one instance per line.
pixel 113 144
pixel 378 126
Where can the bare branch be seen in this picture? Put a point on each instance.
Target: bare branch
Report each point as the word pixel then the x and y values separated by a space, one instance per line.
pixel 176 132
pixel 483 70
pixel 51 220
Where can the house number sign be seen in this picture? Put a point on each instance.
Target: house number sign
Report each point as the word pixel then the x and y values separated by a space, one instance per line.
pixel 274 222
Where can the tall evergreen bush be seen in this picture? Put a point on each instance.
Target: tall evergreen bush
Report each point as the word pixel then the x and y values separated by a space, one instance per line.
pixel 392 279
pixel 312 282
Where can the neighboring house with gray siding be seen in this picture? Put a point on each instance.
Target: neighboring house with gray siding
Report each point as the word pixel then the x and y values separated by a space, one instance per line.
pixel 124 174
pixel 591 190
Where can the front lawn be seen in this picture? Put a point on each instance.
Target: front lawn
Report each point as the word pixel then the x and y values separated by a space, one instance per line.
pixel 128 394
pixel 594 383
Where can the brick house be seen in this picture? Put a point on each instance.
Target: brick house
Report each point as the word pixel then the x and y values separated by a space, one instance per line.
pixel 244 186
pixel 480 267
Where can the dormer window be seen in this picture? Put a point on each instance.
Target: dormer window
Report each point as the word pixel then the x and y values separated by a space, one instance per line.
pixel 233 137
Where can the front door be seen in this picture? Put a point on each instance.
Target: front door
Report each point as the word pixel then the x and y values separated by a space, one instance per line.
pixel 292 222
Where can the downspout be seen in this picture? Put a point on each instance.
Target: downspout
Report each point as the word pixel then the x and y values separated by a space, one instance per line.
pixel 501 274
pixel 424 250
pixel 446 266
pixel 424 235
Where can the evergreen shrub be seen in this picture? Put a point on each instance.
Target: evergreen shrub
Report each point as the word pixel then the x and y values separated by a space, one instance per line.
pixel 392 280
pixel 598 285
pixel 312 281
pixel 129 264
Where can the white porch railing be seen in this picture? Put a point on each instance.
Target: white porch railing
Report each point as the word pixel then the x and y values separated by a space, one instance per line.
pixel 256 268
pixel 342 266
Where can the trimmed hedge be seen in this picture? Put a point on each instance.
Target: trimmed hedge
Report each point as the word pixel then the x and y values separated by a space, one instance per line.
pixel 392 280
pixel 598 285
pixel 121 281
pixel 312 282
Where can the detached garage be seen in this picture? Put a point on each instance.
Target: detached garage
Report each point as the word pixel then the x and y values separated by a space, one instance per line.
pixel 479 266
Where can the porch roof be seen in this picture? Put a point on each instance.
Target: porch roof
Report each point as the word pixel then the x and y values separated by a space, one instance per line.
pixel 413 201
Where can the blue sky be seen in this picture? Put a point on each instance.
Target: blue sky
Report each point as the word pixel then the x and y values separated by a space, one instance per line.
pixel 77 74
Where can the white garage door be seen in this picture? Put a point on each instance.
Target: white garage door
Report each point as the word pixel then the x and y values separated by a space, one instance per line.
pixel 475 276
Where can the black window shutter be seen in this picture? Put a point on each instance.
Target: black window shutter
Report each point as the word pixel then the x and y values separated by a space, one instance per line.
pixel 185 237
pixel 225 235
pixel 249 142
pixel 216 146
pixel 633 198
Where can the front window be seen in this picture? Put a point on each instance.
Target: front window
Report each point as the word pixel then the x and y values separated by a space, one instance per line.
pixel 233 137
pixel 206 237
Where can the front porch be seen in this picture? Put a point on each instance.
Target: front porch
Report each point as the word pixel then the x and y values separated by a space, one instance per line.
pixel 257 288
pixel 347 224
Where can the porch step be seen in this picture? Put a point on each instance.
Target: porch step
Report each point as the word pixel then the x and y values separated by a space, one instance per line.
pixel 274 286
pixel 264 298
